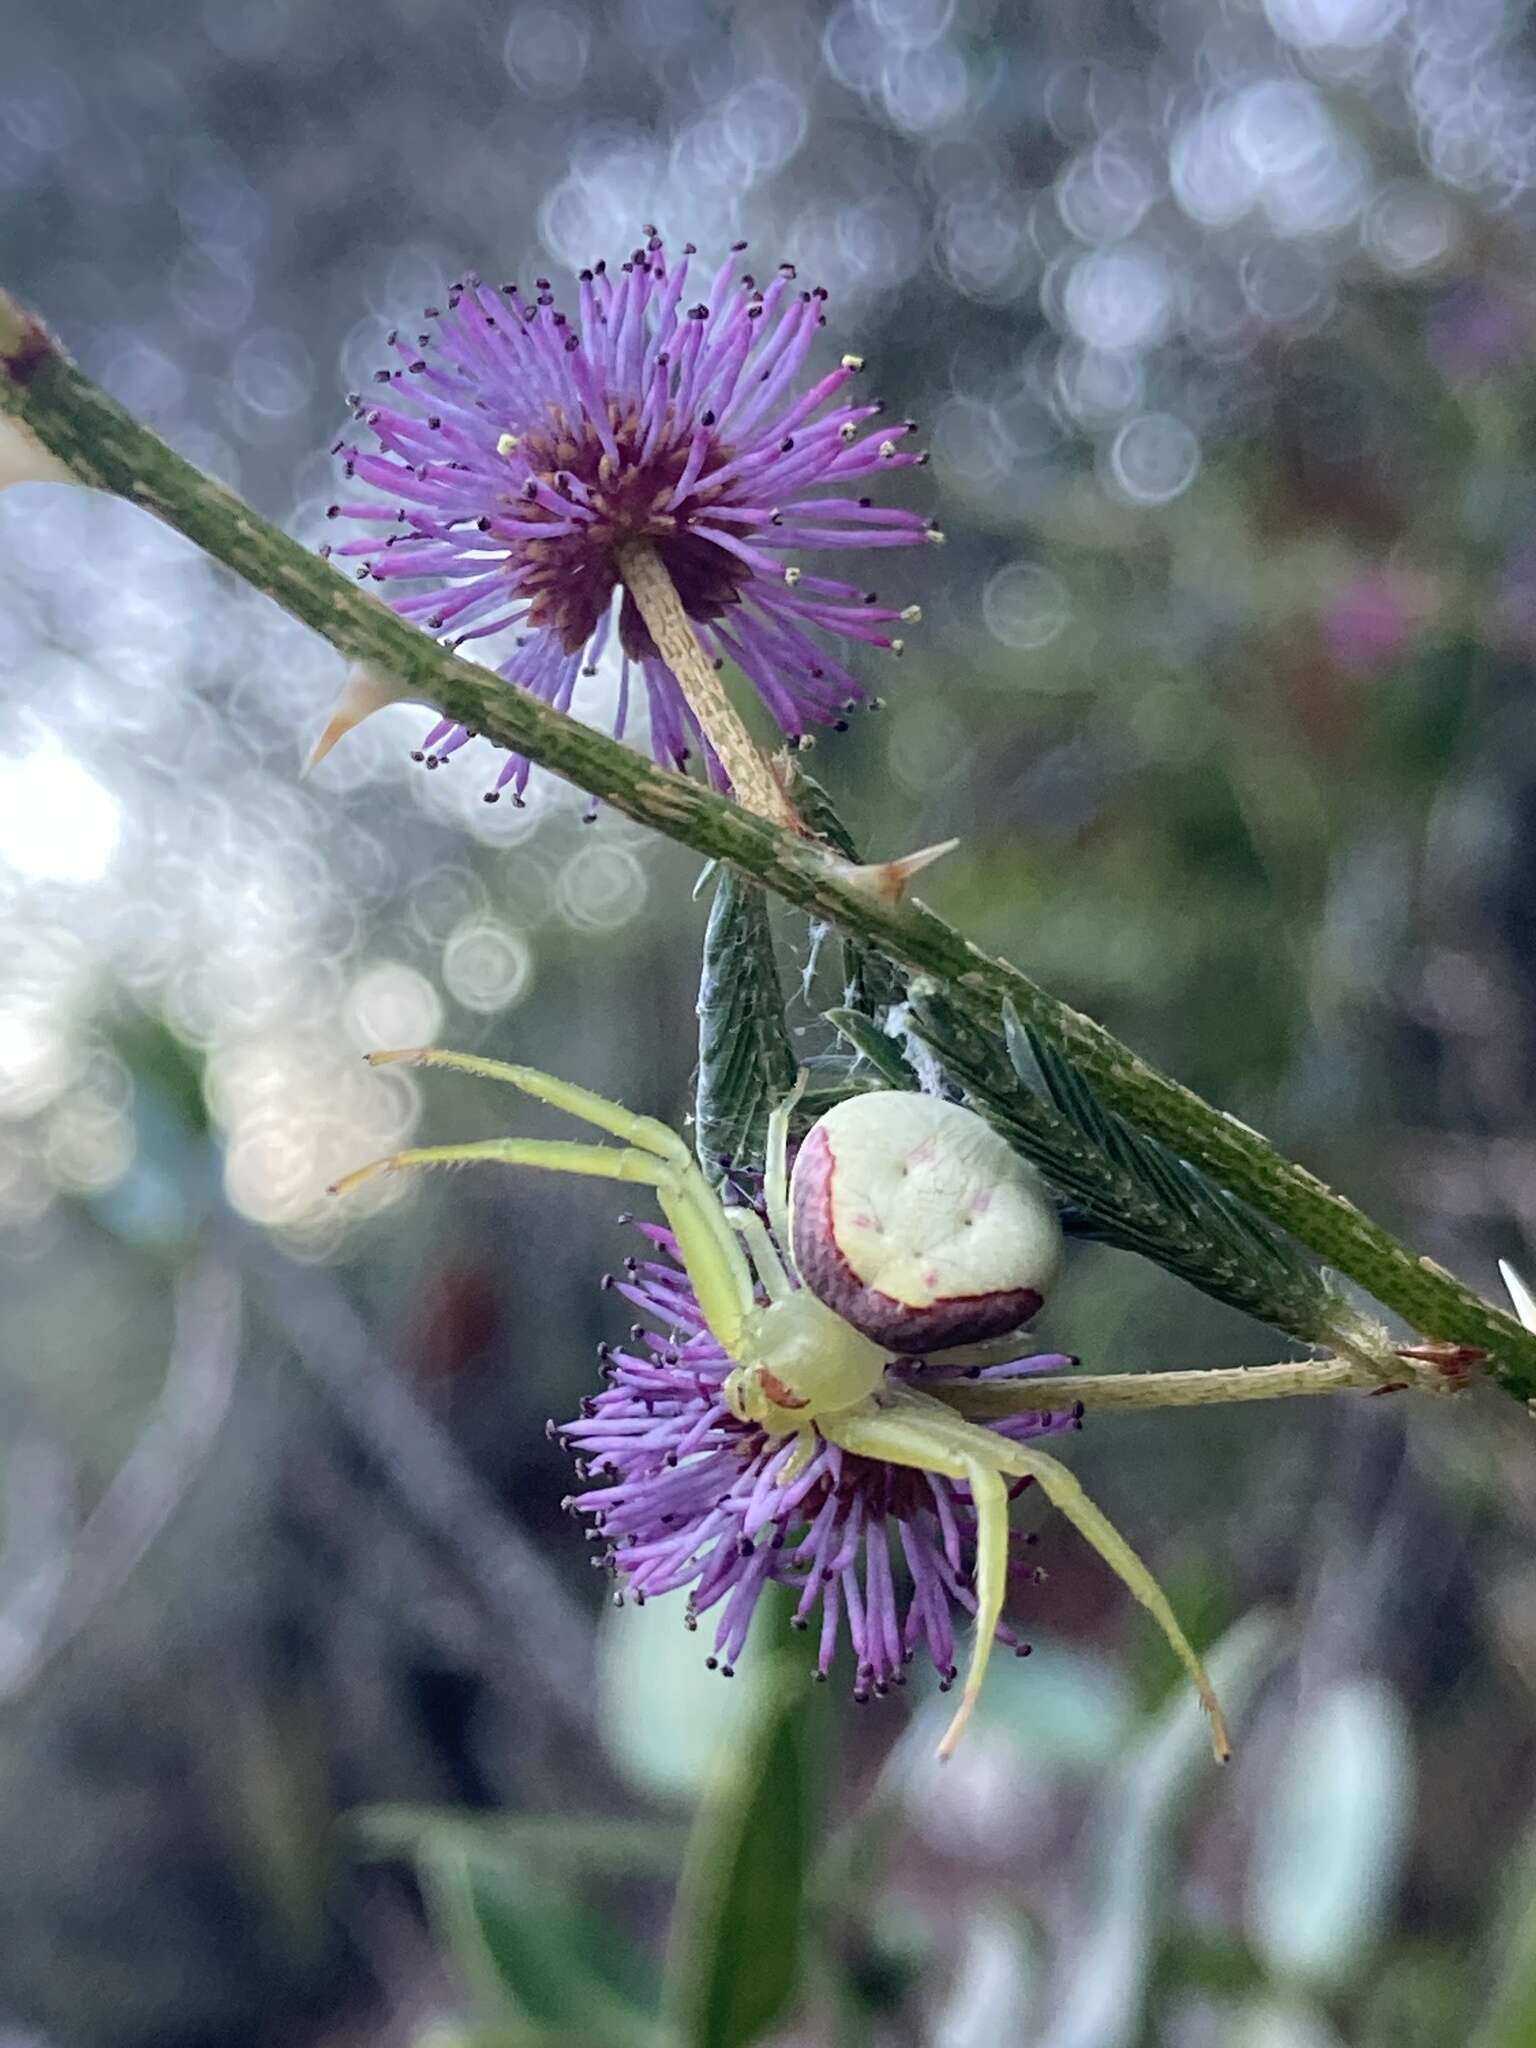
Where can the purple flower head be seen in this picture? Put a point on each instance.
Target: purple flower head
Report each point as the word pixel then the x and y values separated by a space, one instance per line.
pixel 521 450
pixel 685 1495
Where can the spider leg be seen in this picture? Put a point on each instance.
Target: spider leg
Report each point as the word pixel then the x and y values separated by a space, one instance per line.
pixel 717 1266
pixel 776 1167
pixel 558 1155
pixel 760 1249
pixel 1064 1491
pixel 899 1436
pixel 913 1429
pixel 613 1117
pixel 806 1441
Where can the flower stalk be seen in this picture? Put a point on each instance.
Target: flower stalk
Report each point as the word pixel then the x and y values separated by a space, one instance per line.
pixel 751 775
pixel 102 444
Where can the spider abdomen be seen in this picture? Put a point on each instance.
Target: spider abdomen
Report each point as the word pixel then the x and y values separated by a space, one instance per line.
pixel 919 1225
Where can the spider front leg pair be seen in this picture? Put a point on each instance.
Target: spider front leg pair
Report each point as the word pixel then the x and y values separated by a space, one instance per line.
pixel 653 1156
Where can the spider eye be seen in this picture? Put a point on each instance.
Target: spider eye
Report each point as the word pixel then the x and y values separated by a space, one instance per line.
pixel 915 1222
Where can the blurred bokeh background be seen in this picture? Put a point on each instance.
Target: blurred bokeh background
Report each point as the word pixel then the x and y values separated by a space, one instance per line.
pixel 1220 320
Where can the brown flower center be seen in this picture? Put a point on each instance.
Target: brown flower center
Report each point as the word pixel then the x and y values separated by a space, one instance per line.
pixel 570 578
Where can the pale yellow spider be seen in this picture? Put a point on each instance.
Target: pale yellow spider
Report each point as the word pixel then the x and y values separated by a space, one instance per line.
pixel 907 1227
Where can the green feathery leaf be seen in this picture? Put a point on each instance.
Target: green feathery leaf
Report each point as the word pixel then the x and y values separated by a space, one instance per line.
pixel 746 1060
pixel 1119 1185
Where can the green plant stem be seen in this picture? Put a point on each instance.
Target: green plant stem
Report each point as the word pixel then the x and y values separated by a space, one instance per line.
pixel 103 445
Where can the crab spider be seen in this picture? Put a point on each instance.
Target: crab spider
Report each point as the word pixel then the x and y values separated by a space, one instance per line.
pixel 907 1228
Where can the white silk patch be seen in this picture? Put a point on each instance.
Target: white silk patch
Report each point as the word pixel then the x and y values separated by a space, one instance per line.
pixel 929 1204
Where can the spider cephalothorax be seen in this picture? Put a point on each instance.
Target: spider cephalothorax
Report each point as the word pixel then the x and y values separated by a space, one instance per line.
pixel 908 1226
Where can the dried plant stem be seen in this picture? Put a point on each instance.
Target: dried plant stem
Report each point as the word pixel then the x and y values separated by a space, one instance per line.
pixel 102 444
pixel 752 778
